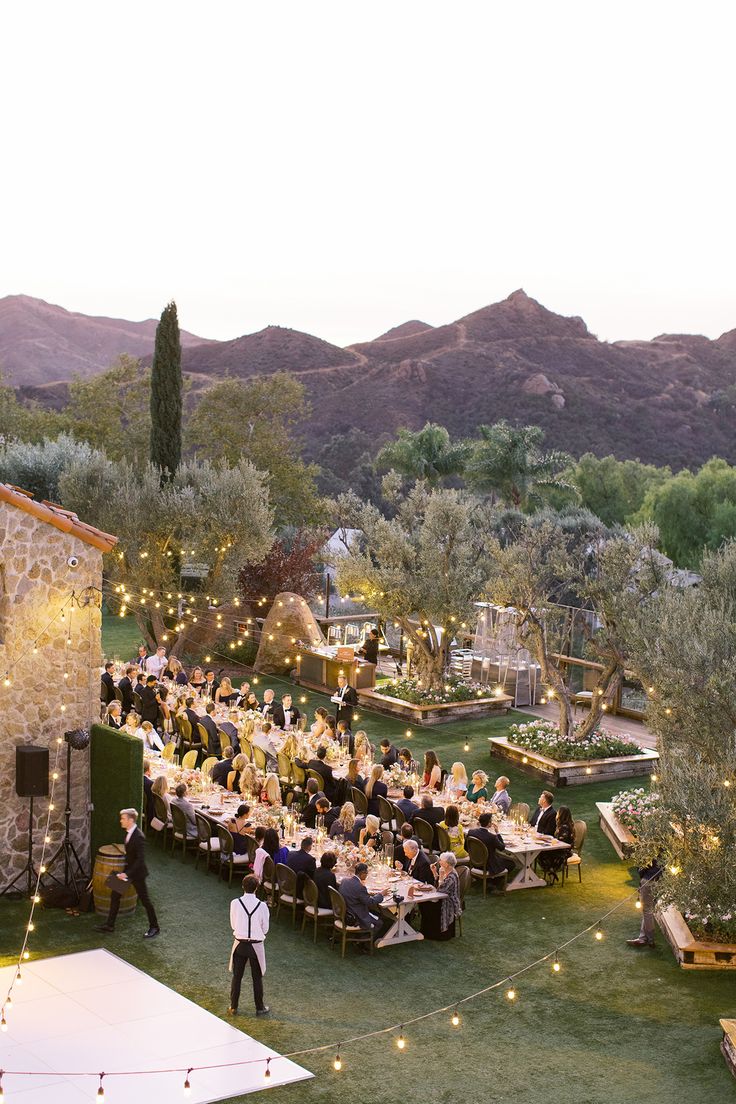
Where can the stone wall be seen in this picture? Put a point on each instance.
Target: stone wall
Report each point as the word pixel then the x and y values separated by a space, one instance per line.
pixel 35 581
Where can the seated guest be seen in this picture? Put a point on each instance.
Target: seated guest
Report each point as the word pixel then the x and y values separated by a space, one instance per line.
pixel 544 817
pixel 268 705
pixel 213 733
pixel 180 801
pixel 433 814
pixel 160 787
pixel 363 749
pixel 211 685
pixel 375 788
pixel 361 906
pixel 238 827
pixel 156 664
pixel 302 862
pixel 150 737
pixel 552 862
pixel 345 822
pixel 370 835
pixel 325 814
pixel 406 832
pixel 229 730
pixel 497 861
pixel 321 767
pixel 114 715
pixel 501 796
pixel 313 792
pixel 263 739
pixel 432 777
pixel 458 781
pixel 279 852
pixel 148 792
pixel 176 672
pixel 330 728
pixel 225 694
pixel 286 715
pixel 132 723
pixel 251 781
pixel 415 862
pixel 192 716
pixel 290 746
pixel 408 807
pixel 325 877
pixel 251 703
pixel 233 779
pixel 271 792
pixel 107 685
pixel 243 693
pixel 454 829
pixel 140 681
pixel 354 777
pixel 318 725
pixel 125 686
pixel 407 763
pixel 438 917
pixel 197 679
pixel 478 788
pixel 139 661
pixel 221 770
pixel 164 710
pixel 150 700
pixel 389 754
pixel 261 853
pixel 345 737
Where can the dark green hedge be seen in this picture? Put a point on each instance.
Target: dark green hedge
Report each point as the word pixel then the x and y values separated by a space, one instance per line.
pixel 116 781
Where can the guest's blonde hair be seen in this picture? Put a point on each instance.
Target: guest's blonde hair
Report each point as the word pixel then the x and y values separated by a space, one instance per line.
pixel 376 776
pixel 273 789
pixel 459 774
pixel 160 786
pixel 347 816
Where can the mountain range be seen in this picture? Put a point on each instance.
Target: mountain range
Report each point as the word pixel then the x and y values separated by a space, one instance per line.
pixel 670 400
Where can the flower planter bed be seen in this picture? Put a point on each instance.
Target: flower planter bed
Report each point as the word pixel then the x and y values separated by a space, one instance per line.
pixel 573 772
pixel 440 713
pixel 620 838
pixel 728 1044
pixel 692 953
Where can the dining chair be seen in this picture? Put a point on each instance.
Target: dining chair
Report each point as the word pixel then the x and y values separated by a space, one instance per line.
pixel 207 844
pixel 574 857
pixel 312 911
pixel 268 881
pixel 180 832
pixel 189 761
pixel 479 865
pixel 169 751
pixel 360 801
pixel 348 933
pixel 162 814
pixel 259 758
pixel 208 764
pixel 227 852
pixel 519 810
pixel 425 832
pixel 286 880
pixel 204 737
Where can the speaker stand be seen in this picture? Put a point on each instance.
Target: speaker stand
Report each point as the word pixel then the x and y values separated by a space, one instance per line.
pixel 66 847
pixel 29 869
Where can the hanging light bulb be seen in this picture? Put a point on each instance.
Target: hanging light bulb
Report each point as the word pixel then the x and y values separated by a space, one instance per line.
pixel 3 1023
pixel 187 1086
pixel 26 955
pixel 267 1073
pixel 455 1020
pixel 2 1092
pixel 337 1064
pixel 9 1003
pixel 101 1091
pixel 401 1041
pixel 466 746
pixel 637 903
pixel 19 977
pixel 511 991
pixel 599 933
pixel 556 964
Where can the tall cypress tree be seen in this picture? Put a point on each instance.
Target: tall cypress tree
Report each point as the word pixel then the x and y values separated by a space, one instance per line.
pixel 166 394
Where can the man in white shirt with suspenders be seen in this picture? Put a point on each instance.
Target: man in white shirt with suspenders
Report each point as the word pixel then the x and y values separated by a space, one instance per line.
pixel 249 918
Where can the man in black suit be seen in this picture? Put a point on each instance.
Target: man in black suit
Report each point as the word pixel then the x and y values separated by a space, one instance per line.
pixel 493 841
pixel 140 659
pixel 408 807
pixel 415 862
pixel 345 699
pixel 361 905
pixel 135 872
pixel 544 817
pixel 125 686
pixel 309 816
pixel 211 685
pixel 221 770
pixel 389 754
pixel 285 715
pixel 107 685
pixel 329 813
pixel 324 769
pixel 433 814
pixel 213 734
pixel 268 705
pixel 302 862
pixel 230 732
pixel 150 701
pixel 193 717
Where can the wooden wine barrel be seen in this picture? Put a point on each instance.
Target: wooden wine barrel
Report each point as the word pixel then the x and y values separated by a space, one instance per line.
pixel 110 859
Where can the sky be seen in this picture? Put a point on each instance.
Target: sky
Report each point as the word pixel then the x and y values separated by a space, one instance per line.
pixel 342 167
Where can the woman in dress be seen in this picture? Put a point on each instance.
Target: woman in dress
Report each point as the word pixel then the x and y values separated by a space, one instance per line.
pixel 407 763
pixel 363 750
pixel 251 782
pixel 233 779
pixel 160 787
pixel 454 829
pixel 176 672
pixel 197 679
pixel 345 823
pixel 375 788
pixel 273 846
pixel 458 783
pixel 478 788
pixel 438 917
pixel 238 827
pixel 330 729
pixel 271 792
pixel 552 862
pixel 132 723
pixel 224 694
pixel 354 777
pixel 370 834
pixel 318 725
pixel 251 703
pixel 432 778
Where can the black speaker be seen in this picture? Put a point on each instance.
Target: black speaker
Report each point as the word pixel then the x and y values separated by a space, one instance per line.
pixel 31 771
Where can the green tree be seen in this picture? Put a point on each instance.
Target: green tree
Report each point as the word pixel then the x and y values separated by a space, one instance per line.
pixel 614 489
pixel 507 463
pixel 112 411
pixel 259 421
pixel 215 515
pixel 423 569
pixel 166 394
pixel 427 454
pixel 694 513
pixel 21 421
pixel 38 467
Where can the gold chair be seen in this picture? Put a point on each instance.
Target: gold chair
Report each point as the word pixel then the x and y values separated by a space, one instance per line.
pixel 189 761
pixel 519 810
pixel 445 844
pixel 208 764
pixel 204 737
pixel 479 865
pixel 169 751
pixel 574 857
pixel 259 758
pixel 284 767
pixel 312 911
pixel 349 933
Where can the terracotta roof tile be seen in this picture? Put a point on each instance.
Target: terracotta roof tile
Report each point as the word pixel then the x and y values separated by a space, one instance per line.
pixel 56 516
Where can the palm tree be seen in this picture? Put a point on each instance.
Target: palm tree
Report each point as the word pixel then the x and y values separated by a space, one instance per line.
pixel 428 454
pixel 507 462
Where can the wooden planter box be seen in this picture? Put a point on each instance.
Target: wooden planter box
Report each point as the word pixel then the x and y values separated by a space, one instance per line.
pixel 574 772
pixel 689 951
pixel 620 838
pixel 424 715
pixel 728 1044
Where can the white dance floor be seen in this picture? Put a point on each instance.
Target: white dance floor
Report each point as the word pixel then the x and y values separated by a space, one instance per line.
pixel 93 1011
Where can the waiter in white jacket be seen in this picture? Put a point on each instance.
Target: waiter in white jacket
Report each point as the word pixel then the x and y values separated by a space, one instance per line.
pixel 249 919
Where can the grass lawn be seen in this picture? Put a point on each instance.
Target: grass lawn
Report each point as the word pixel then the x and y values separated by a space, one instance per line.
pixel 615 1026
pixel 120 637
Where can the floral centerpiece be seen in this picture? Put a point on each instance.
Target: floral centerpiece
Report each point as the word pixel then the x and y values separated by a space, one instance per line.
pixel 544 737
pixel 630 807
pixel 396 777
pixel 454 690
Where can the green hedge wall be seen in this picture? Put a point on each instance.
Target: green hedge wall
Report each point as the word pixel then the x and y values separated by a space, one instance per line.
pixel 116 781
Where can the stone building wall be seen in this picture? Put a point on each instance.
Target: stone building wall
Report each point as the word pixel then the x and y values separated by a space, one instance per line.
pixel 35 581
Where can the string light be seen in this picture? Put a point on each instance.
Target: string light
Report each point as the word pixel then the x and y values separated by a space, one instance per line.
pixel 337 1064
pixel 511 991
pixel 187 1086
pixel 599 933
pixel 455 1021
pixel 637 903
pixel 101 1091
pixel 267 1074
pixel 401 1041
pixel 556 964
